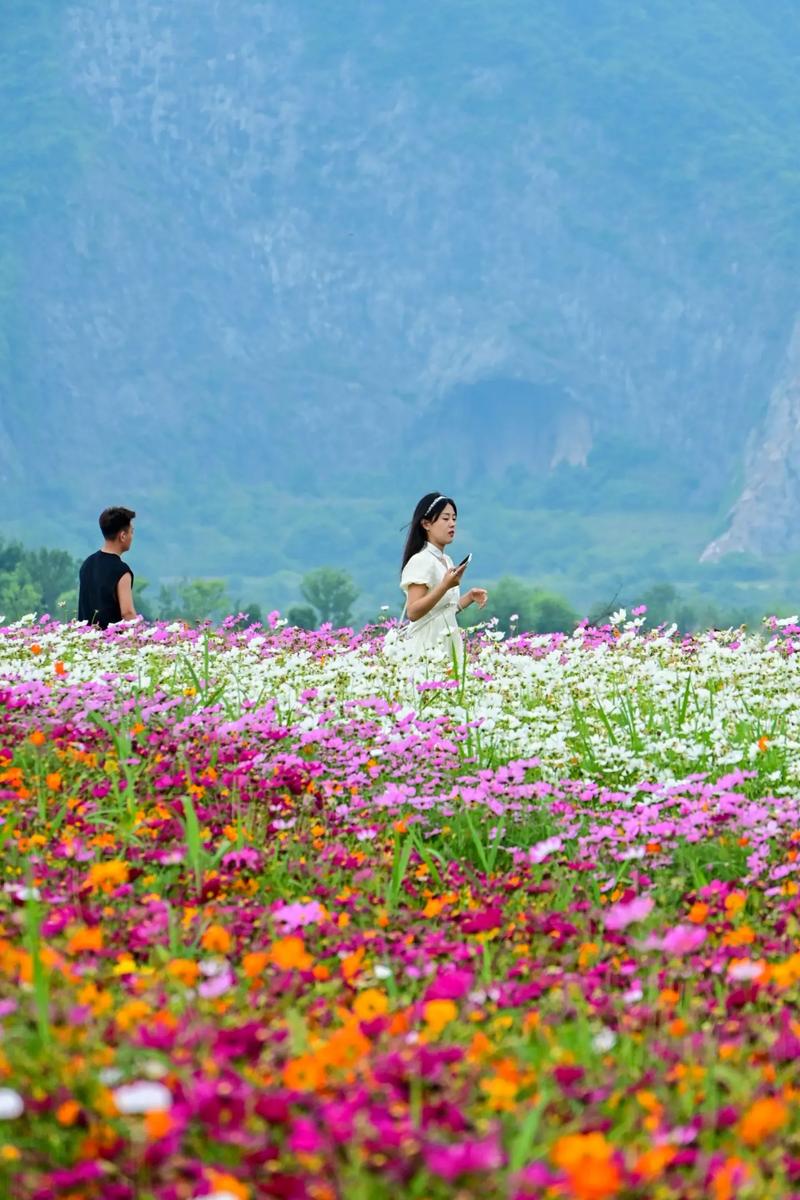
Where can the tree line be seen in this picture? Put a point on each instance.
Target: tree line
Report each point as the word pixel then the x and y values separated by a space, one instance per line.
pixel 45 581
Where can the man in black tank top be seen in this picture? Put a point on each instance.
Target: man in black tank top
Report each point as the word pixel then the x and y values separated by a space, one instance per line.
pixel 106 582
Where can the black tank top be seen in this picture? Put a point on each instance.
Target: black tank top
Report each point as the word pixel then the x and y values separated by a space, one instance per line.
pixel 97 599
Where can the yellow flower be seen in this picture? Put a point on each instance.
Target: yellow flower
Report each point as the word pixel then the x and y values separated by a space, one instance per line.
pixel 131 1014
pixel 438 1014
pixel 501 1092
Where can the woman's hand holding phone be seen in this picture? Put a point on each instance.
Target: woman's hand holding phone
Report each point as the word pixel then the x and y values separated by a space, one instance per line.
pixel 453 575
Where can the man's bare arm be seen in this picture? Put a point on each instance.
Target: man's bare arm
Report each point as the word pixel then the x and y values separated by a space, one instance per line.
pixel 125 597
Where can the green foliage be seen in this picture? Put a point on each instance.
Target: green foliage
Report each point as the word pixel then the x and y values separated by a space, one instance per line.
pixel 667 605
pixel 332 593
pixel 520 607
pixel 303 616
pixel 194 600
pixel 35 581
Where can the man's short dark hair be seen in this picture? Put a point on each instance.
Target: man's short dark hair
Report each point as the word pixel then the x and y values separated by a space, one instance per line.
pixel 114 520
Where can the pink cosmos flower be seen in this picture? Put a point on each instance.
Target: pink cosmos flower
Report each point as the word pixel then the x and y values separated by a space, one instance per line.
pixel 620 915
pixel 296 915
pixel 683 939
pixel 217 985
pixel 480 1154
pixel 450 985
pixel 542 850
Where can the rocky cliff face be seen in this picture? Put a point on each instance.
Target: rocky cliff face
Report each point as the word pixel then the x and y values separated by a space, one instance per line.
pixel 766 515
pixel 322 240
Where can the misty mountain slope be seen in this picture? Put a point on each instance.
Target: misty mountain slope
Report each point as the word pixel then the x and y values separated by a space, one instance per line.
pixel 300 248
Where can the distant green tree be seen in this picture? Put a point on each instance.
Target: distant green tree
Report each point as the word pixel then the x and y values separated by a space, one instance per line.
pixel 203 599
pixel 511 602
pixel 167 603
pixel 255 613
pixel 332 593
pixel 18 595
pixel 553 614
pixel 194 600
pixel 53 572
pixel 663 604
pixel 303 616
pixel 11 555
pixel 521 607
pixel 143 604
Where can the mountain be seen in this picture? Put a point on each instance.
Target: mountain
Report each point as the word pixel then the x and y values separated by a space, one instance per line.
pixel 270 270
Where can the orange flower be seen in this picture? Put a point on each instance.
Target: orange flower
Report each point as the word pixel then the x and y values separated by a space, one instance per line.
pixel 735 903
pixel 698 913
pixel 728 1178
pixel 255 963
pixel 106 876
pixel 765 1117
pixel 53 781
pixel 86 940
pixel 370 1004
pixel 651 1164
pixel 68 1113
pixel 59 668
pixel 762 743
pixel 185 970
pixel 158 1125
pixel 36 648
pixel 289 954
pixel 352 963
pixel 480 1047
pixel 346 1048
pixel 587 1160
pixel 218 1181
pixel 37 738
pixel 216 940
pixel 587 953
pixel 743 936
pixel 304 1074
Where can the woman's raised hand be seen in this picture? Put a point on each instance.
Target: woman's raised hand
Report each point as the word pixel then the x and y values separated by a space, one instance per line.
pixel 477 596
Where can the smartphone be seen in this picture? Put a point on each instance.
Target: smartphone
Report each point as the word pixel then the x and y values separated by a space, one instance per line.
pixel 464 562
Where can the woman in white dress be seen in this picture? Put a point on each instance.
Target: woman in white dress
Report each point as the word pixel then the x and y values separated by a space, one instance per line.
pixel 432 583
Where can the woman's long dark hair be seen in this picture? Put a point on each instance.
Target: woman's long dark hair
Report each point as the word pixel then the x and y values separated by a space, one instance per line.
pixel 428 509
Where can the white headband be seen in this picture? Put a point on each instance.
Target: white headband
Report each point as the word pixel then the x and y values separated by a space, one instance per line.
pixel 432 506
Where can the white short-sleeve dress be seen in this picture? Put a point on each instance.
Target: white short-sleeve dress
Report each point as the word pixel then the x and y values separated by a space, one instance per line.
pixel 438 630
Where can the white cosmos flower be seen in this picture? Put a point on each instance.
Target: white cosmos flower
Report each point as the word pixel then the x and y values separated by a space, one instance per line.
pixel 142 1097
pixel 604 1041
pixel 11 1104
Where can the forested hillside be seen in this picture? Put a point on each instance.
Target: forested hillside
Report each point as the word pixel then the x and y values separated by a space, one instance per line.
pixel 269 270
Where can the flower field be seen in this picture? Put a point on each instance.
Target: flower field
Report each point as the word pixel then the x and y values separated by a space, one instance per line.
pixel 282 918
